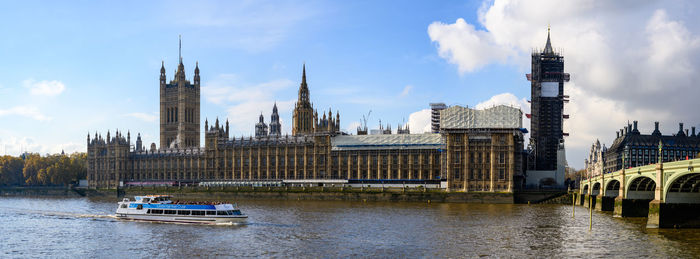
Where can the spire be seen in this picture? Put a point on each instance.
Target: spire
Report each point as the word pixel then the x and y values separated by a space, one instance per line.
pixel 196 67
pixel 162 67
pixel 303 74
pixel 274 108
pixel 179 50
pixel 303 89
pixel 548 46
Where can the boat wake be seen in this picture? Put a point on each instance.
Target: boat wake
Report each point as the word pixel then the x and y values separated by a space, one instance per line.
pixel 60 214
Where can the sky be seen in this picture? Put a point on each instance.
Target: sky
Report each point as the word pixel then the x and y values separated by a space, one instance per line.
pixel 78 67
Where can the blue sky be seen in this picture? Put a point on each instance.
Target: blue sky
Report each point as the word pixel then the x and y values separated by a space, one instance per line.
pixel 84 66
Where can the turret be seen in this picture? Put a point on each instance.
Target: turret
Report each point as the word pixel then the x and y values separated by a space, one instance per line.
pixel 680 130
pixel 227 128
pixel 206 125
pixel 656 129
pixel 162 73
pixel 196 74
pixel 139 143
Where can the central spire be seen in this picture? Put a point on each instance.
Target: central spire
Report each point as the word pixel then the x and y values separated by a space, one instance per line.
pixel 548 47
pixel 303 75
pixel 179 50
pixel 303 88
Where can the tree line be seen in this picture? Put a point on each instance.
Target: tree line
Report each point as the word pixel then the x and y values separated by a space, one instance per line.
pixel 35 170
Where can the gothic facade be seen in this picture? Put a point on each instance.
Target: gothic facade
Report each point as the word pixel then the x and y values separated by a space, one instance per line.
pixel 631 148
pixel 179 108
pixel 596 160
pixel 480 159
pixel 547 106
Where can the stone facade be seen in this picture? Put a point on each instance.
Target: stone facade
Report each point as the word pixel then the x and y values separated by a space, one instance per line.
pixel 179 109
pixel 631 148
pixel 483 151
pixel 596 160
pixel 316 151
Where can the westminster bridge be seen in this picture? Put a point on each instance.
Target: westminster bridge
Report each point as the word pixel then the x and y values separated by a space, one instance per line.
pixel 667 193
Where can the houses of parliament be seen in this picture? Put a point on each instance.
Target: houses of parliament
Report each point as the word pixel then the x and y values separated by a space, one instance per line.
pixel 471 152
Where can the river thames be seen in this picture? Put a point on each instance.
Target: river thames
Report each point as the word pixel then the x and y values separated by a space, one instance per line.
pixel 85 228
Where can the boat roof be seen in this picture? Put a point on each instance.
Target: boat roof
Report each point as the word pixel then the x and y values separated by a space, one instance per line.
pixel 153 196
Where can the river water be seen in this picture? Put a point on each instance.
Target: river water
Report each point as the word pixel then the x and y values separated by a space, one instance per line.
pixel 85 228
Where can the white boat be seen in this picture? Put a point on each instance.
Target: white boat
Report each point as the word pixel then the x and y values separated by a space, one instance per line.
pixel 161 208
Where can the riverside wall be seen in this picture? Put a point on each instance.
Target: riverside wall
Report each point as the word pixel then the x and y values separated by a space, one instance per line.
pixel 311 193
pixel 41 192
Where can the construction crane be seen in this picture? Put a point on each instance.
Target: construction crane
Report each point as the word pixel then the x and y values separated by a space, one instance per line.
pixel 364 119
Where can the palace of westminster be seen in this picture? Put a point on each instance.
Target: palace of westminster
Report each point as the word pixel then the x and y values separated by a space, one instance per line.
pixel 472 150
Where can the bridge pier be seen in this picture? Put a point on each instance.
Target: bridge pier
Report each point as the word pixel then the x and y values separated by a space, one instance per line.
pixel 604 203
pixel 631 207
pixel 589 201
pixel 673 215
pixel 580 199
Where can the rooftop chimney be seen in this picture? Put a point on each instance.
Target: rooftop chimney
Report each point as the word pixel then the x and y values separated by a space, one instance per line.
pixel 656 129
pixel 693 130
pixel 635 125
pixel 618 134
pixel 680 129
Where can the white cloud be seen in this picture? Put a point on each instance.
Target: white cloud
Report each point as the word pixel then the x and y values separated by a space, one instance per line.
pixel 352 127
pixel 510 100
pixel 49 88
pixel 465 46
pixel 25 111
pixel 419 122
pixel 16 146
pixel 625 63
pixel 406 90
pixel 143 116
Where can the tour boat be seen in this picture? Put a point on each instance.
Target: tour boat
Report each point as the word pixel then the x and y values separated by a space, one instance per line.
pixel 161 208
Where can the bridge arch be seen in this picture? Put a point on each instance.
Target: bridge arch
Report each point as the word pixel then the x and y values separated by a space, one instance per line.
pixel 585 189
pixel 612 188
pixel 641 188
pixel 683 188
pixel 596 189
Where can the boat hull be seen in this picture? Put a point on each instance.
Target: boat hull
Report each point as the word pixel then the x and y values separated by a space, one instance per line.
pixel 184 219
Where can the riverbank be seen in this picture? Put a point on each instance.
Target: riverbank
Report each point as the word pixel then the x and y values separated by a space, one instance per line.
pixel 313 193
pixel 41 191
pixel 298 193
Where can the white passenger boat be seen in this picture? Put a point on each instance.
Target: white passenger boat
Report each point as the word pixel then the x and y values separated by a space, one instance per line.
pixel 162 208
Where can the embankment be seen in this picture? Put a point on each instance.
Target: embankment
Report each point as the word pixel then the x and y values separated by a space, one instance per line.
pixel 312 193
pixel 41 191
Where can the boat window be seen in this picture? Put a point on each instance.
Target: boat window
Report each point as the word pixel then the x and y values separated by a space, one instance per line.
pixel 236 212
pixel 211 212
pixel 197 212
pixel 140 206
pixel 156 211
pixel 183 212
pixel 146 200
pixel 169 212
pixel 148 211
pixel 221 213
pixel 123 206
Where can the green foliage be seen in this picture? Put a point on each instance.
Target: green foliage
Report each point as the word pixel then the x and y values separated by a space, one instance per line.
pixel 49 170
pixel 11 171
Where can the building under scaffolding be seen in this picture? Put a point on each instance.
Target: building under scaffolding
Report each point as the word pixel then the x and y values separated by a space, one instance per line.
pixel 483 147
